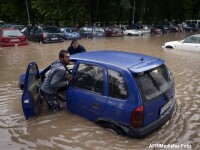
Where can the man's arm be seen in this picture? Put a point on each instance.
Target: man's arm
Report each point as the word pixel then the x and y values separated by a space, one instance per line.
pixel 69 49
pixel 58 79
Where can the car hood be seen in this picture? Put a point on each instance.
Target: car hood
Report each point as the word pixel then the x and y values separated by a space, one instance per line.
pixel 172 43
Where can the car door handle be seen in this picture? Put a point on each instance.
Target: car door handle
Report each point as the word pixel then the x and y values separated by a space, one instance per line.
pixel 95 106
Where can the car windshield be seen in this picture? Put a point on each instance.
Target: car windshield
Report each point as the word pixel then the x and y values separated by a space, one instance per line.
pixel 51 30
pixel 98 29
pixel 154 82
pixel 192 40
pixel 8 33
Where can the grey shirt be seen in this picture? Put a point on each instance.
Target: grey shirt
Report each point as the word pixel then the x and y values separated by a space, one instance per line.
pixel 56 79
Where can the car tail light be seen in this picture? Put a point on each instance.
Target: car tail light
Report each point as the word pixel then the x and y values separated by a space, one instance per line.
pixel 44 35
pixel 137 117
pixel 5 39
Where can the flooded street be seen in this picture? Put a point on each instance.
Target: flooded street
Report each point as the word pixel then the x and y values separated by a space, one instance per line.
pixel 64 130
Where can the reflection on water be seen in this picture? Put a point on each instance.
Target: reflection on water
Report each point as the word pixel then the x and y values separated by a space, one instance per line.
pixel 65 130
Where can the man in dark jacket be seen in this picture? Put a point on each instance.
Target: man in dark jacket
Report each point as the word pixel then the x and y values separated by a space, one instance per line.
pixel 75 47
pixel 58 77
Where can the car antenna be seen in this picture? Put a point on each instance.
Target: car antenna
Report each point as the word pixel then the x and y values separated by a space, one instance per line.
pixel 142 59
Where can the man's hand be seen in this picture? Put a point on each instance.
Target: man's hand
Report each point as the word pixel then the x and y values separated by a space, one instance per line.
pixel 69 78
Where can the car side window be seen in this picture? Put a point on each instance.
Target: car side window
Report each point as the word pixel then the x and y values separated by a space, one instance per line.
pixel 90 78
pixel 117 85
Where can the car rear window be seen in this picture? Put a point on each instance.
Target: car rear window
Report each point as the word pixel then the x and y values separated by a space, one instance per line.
pixel 8 33
pixel 154 82
pixel 98 29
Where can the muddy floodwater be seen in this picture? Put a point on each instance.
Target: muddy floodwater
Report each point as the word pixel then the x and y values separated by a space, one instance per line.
pixel 64 130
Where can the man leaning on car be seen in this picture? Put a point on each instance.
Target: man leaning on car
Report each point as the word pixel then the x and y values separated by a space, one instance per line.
pixel 57 78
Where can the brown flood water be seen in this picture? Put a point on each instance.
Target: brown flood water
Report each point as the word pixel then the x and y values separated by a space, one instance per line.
pixel 64 130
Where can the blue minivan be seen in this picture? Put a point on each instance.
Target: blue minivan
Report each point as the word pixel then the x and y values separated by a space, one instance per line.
pixel 128 93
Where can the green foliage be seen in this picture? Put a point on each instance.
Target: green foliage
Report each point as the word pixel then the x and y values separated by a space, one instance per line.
pixel 81 12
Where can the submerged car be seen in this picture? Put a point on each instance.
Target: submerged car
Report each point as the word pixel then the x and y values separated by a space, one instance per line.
pixel 70 33
pixel 12 37
pixel 45 34
pixel 91 31
pixel 132 97
pixel 113 31
pixel 130 31
pixel 191 43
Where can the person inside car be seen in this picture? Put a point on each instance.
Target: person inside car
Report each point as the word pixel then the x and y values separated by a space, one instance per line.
pixel 57 78
pixel 75 47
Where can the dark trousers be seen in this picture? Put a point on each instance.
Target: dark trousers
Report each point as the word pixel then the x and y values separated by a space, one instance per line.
pixel 52 101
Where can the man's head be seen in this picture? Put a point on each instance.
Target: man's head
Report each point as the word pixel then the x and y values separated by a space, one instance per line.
pixel 74 44
pixel 64 57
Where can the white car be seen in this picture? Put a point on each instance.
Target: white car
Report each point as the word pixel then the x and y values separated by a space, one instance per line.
pixel 128 30
pixel 191 43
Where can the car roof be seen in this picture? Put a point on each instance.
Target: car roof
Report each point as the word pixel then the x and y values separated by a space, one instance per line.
pixel 117 58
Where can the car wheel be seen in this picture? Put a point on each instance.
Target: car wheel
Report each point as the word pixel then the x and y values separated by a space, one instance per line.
pixel 129 34
pixel 169 46
pixel 113 128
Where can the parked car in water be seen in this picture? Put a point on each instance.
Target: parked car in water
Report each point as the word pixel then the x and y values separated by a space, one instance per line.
pixel 113 31
pixel 26 31
pixel 191 43
pixel 131 97
pixel 191 27
pixel 91 31
pixel 128 30
pixel 197 22
pixel 158 29
pixel 45 34
pixel 70 33
pixel 1 23
pixel 10 25
pixel 12 37
pixel 145 29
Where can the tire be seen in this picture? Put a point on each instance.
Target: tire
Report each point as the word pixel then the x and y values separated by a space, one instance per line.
pixel 129 34
pixel 113 128
pixel 168 46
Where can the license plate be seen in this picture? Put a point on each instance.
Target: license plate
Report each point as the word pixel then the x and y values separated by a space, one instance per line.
pixel 14 40
pixel 165 107
pixel 54 38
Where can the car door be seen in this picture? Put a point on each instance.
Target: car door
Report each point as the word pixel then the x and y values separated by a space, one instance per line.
pixel 86 95
pixel 31 100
